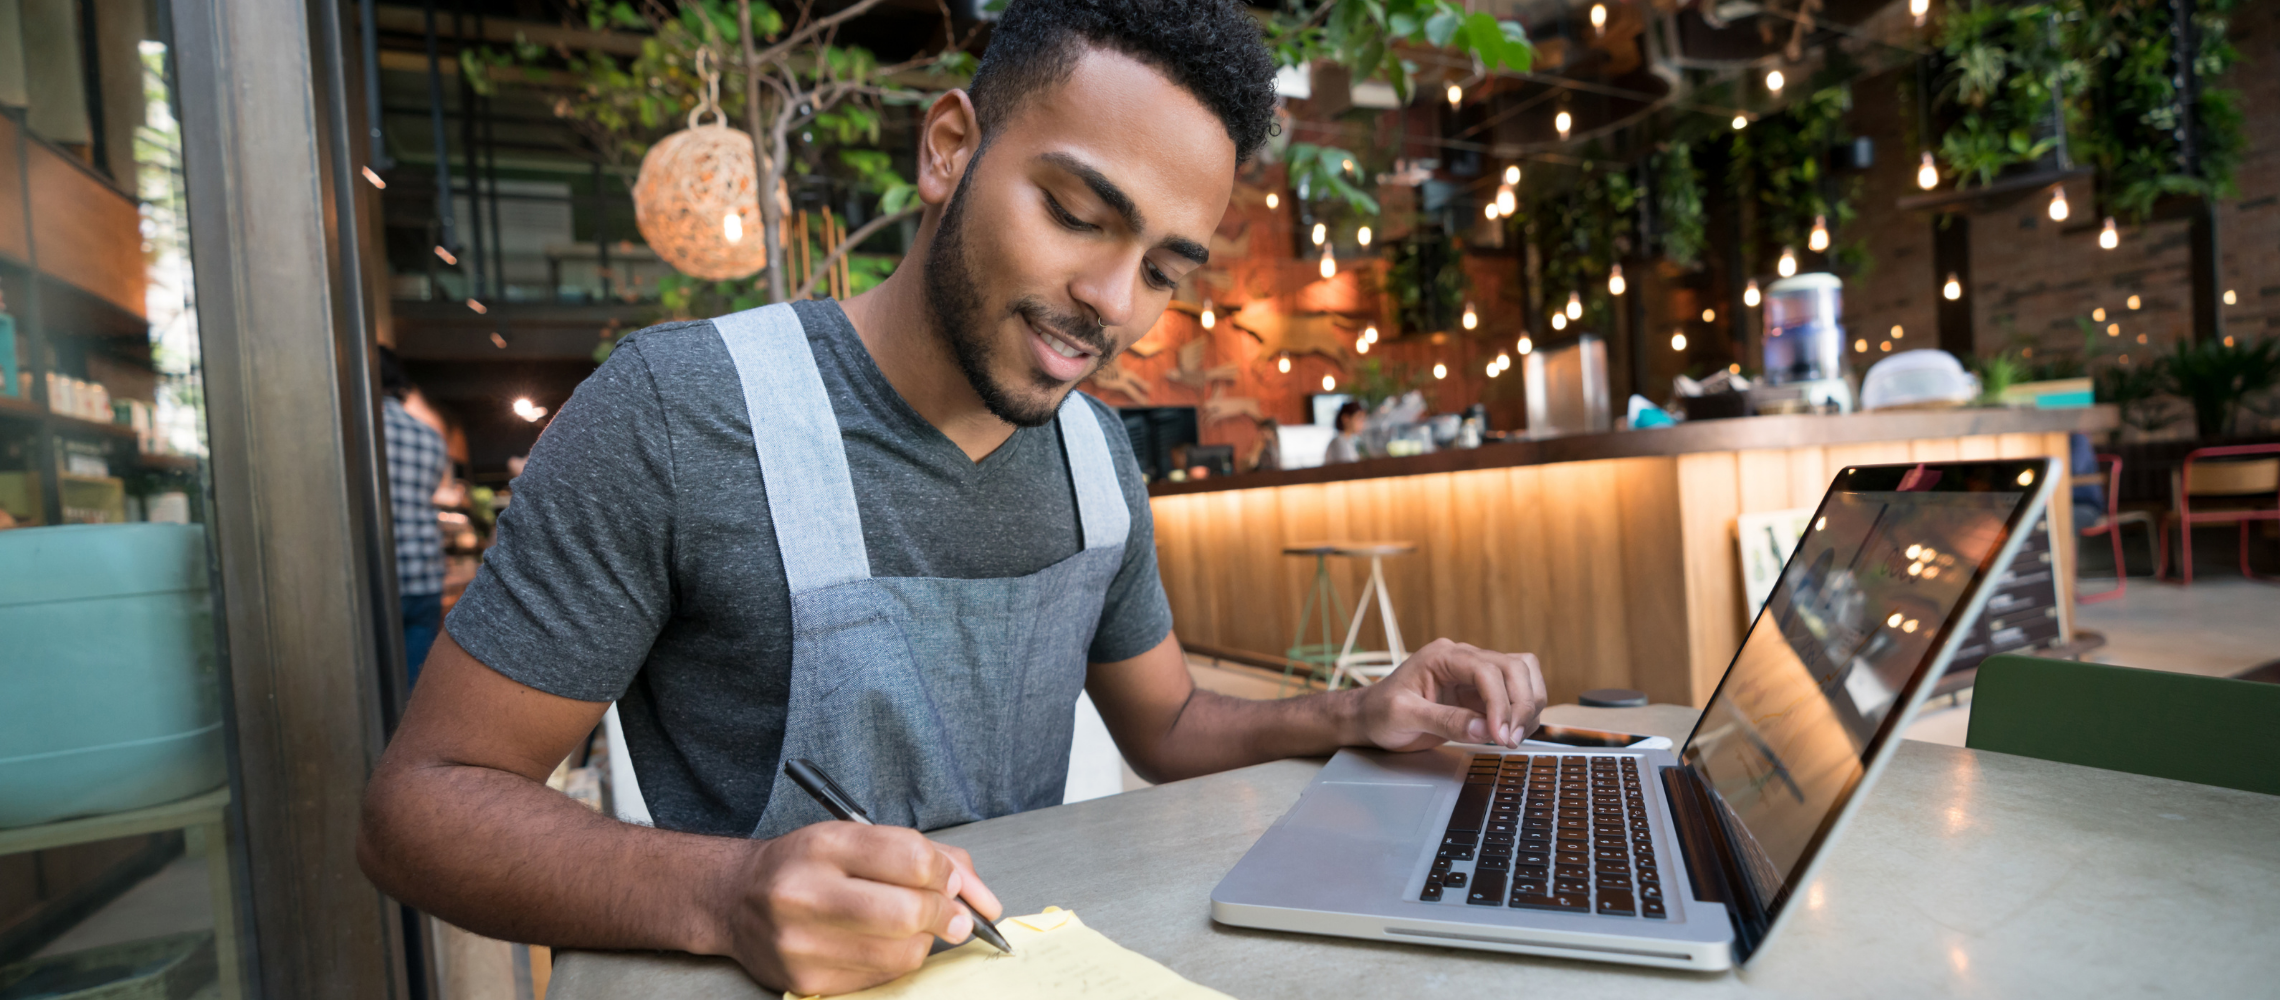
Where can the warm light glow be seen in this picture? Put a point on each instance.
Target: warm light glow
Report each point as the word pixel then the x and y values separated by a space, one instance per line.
pixel 1321 233
pixel 1527 345
pixel 1819 240
pixel 1912 624
pixel 1361 347
pixel 1440 371
pixel 1774 80
pixel 1346 165
pixel 1897 332
pixel 1893 622
pixel 1615 282
pixel 479 307
pixel 732 227
pixel 2098 315
pixel 1506 202
pixel 1362 236
pixel 1750 295
pixel 1709 315
pixel 1504 360
pixel 1885 346
pixel 1678 340
pixel 1512 174
pixel 524 409
pixel 2113 329
pixel 1575 306
pixel 1741 122
pixel 2141 338
pixel 1488 211
pixel 1559 321
pixel 1914 551
pixel 1787 265
pixel 1369 333
pixel 2135 303
pixel 1274 201
pixel 1598 16
pixel 375 179
pixel 1953 290
pixel 2228 341
pixel 1282 364
pixel 1456 95
pixel 1329 264
pixel 1860 346
pixel 446 255
pixel 1471 319
pixel 1329 383
pixel 1736 368
pixel 1208 317
pixel 2125 359
pixel 1494 371
pixel 2058 209
pixel 1920 9
pixel 2109 237
pixel 2027 477
pixel 2230 298
pixel 1562 122
pixel 1927 172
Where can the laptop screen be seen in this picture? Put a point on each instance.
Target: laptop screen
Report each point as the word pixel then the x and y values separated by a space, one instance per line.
pixel 1861 609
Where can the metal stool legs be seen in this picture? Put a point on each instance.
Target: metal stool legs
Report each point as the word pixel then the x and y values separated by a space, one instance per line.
pixel 1368 667
pixel 1319 657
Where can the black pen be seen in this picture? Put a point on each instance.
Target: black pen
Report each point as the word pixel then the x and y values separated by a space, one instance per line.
pixel 812 780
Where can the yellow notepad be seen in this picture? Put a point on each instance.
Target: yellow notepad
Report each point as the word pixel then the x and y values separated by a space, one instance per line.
pixel 1054 955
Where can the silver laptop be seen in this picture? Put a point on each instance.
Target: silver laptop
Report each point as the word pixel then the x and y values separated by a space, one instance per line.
pixel 1636 855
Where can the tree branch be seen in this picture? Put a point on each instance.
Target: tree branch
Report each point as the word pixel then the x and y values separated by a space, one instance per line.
pixel 847 245
pixel 810 29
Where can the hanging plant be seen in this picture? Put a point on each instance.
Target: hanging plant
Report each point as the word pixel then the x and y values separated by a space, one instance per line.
pixel 1784 160
pixel 1684 230
pixel 1580 233
pixel 2135 109
pixel 2010 75
pixel 1425 275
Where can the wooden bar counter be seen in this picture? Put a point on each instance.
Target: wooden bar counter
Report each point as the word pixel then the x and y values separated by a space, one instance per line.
pixel 1610 556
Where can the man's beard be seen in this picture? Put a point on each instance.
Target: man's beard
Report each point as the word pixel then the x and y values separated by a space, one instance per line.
pixel 955 300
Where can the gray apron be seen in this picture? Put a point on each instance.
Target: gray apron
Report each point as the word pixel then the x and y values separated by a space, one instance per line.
pixel 933 702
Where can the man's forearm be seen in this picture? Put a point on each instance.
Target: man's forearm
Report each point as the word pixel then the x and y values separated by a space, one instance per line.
pixel 1214 732
pixel 507 857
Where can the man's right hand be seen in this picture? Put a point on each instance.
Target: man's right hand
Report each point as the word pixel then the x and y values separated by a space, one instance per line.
pixel 839 907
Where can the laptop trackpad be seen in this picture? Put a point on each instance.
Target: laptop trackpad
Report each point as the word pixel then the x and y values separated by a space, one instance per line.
pixel 1369 811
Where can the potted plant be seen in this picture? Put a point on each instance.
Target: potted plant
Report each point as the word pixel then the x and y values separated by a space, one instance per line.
pixel 2217 376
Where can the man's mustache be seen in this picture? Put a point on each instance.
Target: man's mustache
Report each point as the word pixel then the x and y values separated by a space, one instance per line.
pixel 1075 329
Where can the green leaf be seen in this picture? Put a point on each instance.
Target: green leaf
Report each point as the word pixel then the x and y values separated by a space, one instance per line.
pixel 1443 26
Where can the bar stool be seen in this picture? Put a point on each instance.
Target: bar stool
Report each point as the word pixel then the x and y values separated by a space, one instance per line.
pixel 1320 657
pixel 1368 666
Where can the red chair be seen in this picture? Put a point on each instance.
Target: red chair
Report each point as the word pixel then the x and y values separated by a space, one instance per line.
pixel 2230 473
pixel 2111 526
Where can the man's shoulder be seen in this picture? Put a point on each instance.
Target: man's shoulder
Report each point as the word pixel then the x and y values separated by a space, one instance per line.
pixel 1119 444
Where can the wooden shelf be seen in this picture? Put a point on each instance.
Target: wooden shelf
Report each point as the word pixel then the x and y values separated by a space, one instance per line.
pixel 168 463
pixel 18 406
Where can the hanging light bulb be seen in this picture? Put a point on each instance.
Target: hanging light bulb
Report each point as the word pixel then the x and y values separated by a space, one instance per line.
pixel 1953 290
pixel 2058 210
pixel 2098 315
pixel 1361 347
pixel 1274 201
pixel 1526 345
pixel 1787 265
pixel 1471 319
pixel 1819 240
pixel 1678 340
pixel 1329 383
pixel 1927 172
pixel 2135 303
pixel 1329 263
pixel 1504 360
pixel 1494 371
pixel 1456 95
pixel 1615 282
pixel 2109 237
pixel 1559 321
pixel 1440 371
pixel 1512 174
pixel 1362 236
pixel 1750 295
pixel 1506 201
pixel 1575 306
pixel 1321 233
pixel 1282 364
pixel 1898 331
pixel 2230 298
pixel 1209 318
pixel 1709 315
pixel 1369 333
pixel 1774 80
pixel 1920 9
pixel 1741 122
pixel 1598 17
pixel 732 227
pixel 1562 122
pixel 1488 211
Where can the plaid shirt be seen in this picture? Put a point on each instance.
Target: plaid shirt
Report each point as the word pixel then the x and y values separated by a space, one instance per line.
pixel 416 466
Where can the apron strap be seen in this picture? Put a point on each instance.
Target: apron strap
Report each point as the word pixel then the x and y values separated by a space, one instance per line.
pixel 1101 509
pixel 803 463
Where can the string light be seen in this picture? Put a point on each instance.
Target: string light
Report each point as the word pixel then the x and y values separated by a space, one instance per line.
pixel 1559 321
pixel 1575 306
pixel 523 408
pixel 1321 233
pixel 1860 346
pixel 1526 345
pixel 1927 172
pixel 1787 265
pixel 446 256
pixel 1750 296
pixel 2058 210
pixel 1741 122
pixel 1209 318
pixel 1362 236
pixel 1615 282
pixel 2109 237
pixel 1456 95
pixel 2135 303
pixel 1361 347
pixel 732 227
pixel 1488 211
pixel 1493 370
pixel 1274 201
pixel 1471 319
pixel 1953 290
pixel 1920 9
pixel 1329 263
pixel 1598 17
pixel 1885 346
pixel 1440 371
pixel 1818 241
pixel 1774 80
pixel 1709 315
pixel 2098 315
pixel 1329 383
pixel 1503 360
pixel 2230 298
pixel 1678 340
pixel 1897 332
pixel 1512 174
pixel 1506 201
pixel 1282 364
pixel 2113 329
pixel 1562 122
pixel 1369 333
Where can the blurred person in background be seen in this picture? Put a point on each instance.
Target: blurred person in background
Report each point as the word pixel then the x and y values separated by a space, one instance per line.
pixel 1347 446
pixel 416 469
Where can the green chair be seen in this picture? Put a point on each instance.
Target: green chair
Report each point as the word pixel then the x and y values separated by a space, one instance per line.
pixel 2209 730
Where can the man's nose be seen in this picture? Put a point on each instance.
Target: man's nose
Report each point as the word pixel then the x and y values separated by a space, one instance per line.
pixel 1110 289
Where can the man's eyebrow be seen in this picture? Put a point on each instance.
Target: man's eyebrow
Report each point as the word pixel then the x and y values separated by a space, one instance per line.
pixel 1102 188
pixel 1187 248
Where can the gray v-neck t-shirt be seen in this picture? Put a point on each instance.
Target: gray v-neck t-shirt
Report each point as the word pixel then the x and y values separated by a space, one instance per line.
pixel 637 561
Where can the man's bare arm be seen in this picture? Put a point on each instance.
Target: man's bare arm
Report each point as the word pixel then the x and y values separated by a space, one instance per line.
pixel 1168 729
pixel 458 822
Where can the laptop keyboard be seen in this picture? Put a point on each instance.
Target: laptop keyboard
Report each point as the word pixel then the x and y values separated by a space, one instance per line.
pixel 1559 832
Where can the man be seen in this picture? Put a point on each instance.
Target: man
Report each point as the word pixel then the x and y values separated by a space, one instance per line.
pixel 883 535
pixel 417 466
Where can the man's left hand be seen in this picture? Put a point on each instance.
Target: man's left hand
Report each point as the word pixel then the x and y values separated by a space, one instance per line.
pixel 1452 692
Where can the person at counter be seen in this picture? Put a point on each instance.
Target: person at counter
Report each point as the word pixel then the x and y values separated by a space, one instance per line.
pixel 1347 446
pixel 939 546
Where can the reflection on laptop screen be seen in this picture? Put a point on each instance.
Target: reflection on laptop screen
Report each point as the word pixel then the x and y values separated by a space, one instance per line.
pixel 1854 616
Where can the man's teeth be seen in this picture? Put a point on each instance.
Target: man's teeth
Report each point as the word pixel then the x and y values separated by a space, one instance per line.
pixel 1063 348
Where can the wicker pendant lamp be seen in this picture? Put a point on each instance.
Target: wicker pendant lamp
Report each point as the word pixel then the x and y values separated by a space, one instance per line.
pixel 694 199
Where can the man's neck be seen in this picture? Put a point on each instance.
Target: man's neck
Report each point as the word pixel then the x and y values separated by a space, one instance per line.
pixel 898 329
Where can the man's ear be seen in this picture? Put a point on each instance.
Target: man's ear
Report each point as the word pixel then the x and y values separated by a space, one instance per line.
pixel 946 145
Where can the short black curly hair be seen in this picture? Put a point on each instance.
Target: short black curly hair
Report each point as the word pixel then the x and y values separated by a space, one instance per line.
pixel 1211 47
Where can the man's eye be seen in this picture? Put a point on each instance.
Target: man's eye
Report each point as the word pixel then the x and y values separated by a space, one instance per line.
pixel 1156 275
pixel 1062 215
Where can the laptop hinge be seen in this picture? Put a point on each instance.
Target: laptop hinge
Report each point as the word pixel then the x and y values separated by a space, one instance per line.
pixel 1711 864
